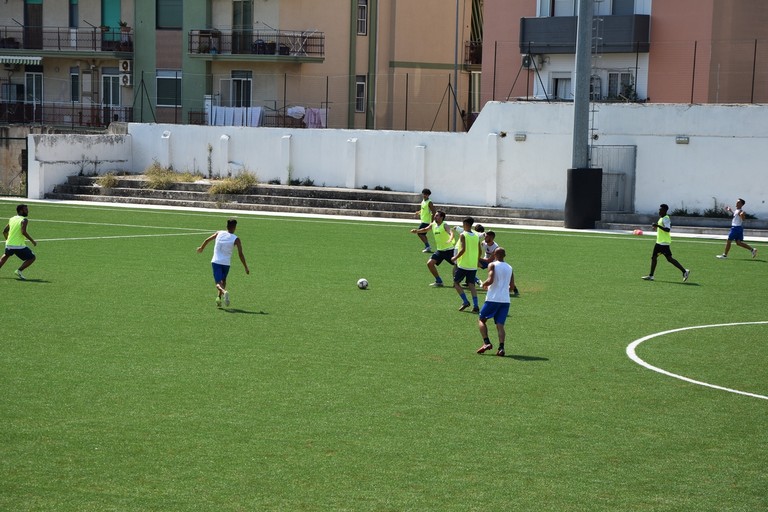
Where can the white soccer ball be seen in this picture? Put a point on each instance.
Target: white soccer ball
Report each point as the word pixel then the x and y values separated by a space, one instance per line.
pixel 362 283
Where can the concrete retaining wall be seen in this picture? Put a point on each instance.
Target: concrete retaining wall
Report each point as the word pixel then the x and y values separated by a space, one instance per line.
pixel 724 159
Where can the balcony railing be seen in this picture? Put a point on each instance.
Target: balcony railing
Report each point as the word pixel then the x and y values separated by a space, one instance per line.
pixel 96 39
pixel 557 34
pixel 63 114
pixel 285 43
pixel 473 53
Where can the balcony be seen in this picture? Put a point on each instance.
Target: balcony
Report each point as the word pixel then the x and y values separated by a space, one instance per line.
pixel 253 44
pixel 65 39
pixel 619 34
pixel 63 114
pixel 473 55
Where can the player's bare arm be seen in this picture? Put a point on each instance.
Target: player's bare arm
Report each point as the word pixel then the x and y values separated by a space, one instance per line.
pixel 205 242
pixel 24 232
pixel 491 276
pixel 242 256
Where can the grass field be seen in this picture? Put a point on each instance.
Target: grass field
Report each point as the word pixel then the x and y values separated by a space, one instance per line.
pixel 125 389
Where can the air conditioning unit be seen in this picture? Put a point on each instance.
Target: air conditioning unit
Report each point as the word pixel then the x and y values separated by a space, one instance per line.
pixel 126 79
pixel 126 66
pixel 11 67
pixel 532 61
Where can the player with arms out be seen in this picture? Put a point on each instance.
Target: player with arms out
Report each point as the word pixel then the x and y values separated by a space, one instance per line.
pixel 226 241
pixel 444 243
pixel 737 230
pixel 16 236
pixel 500 282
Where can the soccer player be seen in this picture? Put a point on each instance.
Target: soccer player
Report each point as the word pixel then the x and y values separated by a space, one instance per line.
pixel 226 241
pixel 16 237
pixel 426 213
pixel 500 282
pixel 737 230
pixel 443 241
pixel 663 241
pixel 488 247
pixel 466 260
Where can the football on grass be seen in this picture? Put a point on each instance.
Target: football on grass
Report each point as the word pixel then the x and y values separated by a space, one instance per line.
pixel 362 283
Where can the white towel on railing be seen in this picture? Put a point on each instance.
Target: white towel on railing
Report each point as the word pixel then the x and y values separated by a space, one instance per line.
pixel 254 116
pixel 229 116
pixel 238 116
pixel 295 112
pixel 316 117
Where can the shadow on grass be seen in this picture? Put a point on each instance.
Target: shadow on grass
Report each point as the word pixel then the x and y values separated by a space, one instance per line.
pixel 28 280
pixel 527 358
pixel 243 311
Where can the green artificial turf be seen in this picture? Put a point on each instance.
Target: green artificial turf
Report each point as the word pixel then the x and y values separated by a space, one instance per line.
pixel 124 388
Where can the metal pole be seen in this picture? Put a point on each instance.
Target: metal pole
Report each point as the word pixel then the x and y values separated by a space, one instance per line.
pixel 495 51
pixel 456 64
pixel 406 102
pixel 581 92
pixel 693 73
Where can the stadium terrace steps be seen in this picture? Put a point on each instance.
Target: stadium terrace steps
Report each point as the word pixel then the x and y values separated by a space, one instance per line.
pixel 294 199
pixel 361 203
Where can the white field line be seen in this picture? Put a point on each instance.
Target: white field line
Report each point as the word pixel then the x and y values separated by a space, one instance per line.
pixel 375 222
pixel 115 225
pixel 156 235
pixel 633 356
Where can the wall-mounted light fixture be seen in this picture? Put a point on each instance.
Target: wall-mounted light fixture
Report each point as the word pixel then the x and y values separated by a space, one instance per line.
pixel 682 139
pixel 520 137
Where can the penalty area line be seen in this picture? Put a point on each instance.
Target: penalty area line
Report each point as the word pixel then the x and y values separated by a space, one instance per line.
pixel 634 357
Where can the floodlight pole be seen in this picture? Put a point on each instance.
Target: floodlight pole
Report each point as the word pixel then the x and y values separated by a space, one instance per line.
pixel 584 186
pixel 580 159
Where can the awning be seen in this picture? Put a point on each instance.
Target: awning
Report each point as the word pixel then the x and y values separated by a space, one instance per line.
pixel 14 59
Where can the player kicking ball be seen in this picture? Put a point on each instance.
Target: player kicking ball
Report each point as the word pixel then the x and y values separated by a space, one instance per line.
pixel 500 283
pixel 226 241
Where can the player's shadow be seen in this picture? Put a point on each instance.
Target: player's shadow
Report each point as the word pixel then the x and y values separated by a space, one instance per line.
pixel 243 311
pixel 527 358
pixel 28 280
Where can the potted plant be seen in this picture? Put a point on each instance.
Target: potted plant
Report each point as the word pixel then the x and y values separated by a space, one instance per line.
pixel 124 26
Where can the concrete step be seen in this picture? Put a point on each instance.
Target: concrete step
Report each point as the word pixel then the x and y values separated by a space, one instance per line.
pixel 363 203
pixel 295 199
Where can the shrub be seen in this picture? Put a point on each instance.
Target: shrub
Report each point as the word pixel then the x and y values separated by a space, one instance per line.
pixel 237 185
pixel 108 180
pixel 159 177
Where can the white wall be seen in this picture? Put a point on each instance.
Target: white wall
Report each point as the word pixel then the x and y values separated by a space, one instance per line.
pixel 54 157
pixel 725 158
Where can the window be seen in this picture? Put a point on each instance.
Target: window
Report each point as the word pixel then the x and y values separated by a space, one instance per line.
pixel 168 88
pixel 110 87
pixel 74 84
pixel 561 86
pixel 73 14
pixel 595 88
pixel 362 17
pixel 169 14
pixel 34 88
pixel 360 89
pixel 621 86
pixel 241 88
pixel 565 8
pixel 557 8
pixel 623 7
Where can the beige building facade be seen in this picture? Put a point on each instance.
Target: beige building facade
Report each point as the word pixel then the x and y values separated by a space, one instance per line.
pixel 377 64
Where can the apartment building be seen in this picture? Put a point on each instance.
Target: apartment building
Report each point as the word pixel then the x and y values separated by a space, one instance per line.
pixel 66 62
pixel 686 51
pixel 379 64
